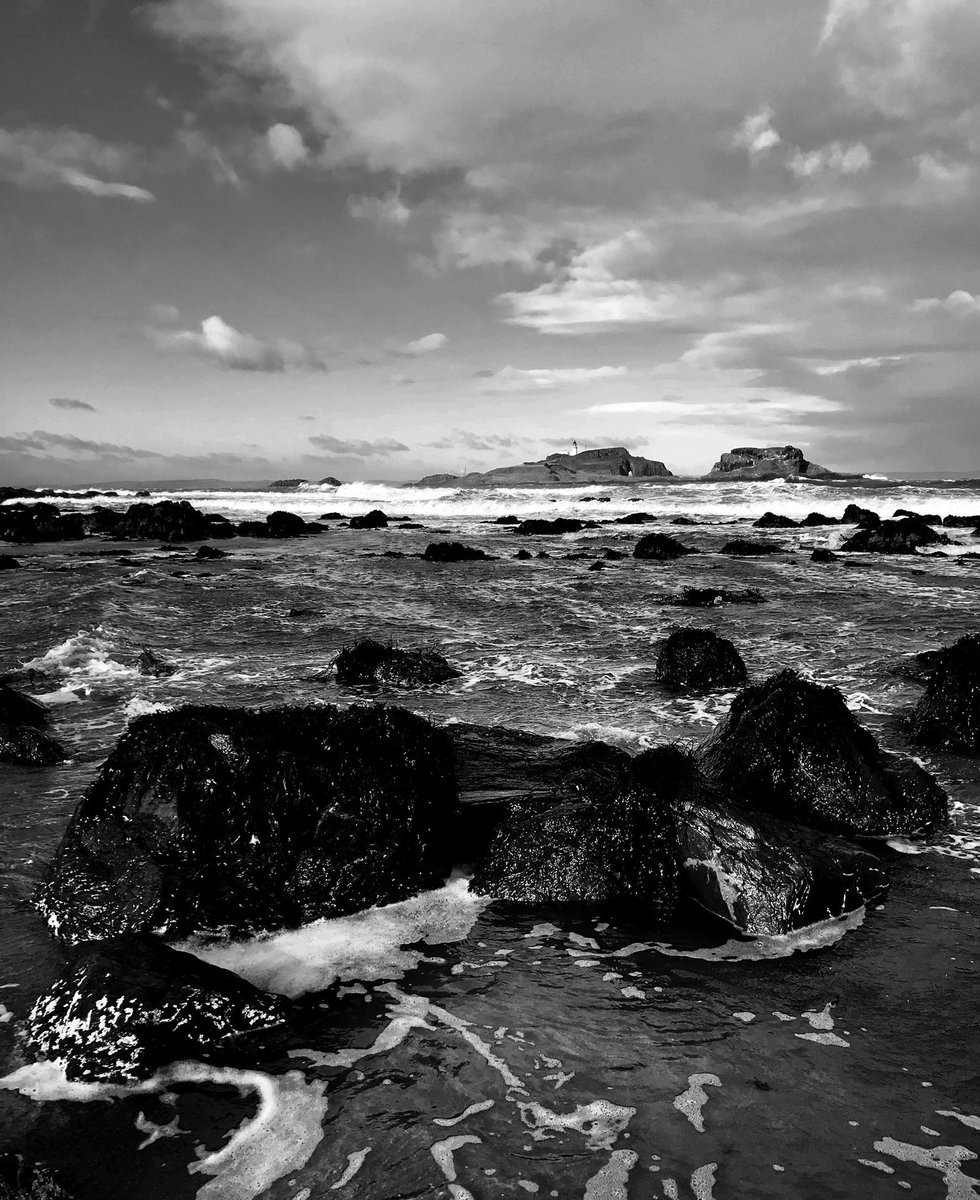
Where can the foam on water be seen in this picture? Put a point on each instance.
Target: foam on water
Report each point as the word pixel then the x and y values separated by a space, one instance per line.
pixel 946 1159
pixel 365 946
pixel 279 1139
pixel 355 1160
pixel 88 654
pixel 691 1102
pixel 609 1182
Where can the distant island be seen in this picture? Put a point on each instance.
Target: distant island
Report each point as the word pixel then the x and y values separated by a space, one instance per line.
pixel 615 464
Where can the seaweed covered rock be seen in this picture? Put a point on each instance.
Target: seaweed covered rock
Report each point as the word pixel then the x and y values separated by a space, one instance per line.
pixel 602 848
pixel 127 1006
pixel 208 817
pixel 375 519
pixel 948 715
pixel 904 536
pixel 764 876
pixel 39 523
pixel 771 520
pixel 745 548
pixel 693 597
pixel 449 552
pixel 793 748
pixel 699 660
pixel 165 521
pixel 661 547
pixel 373 664
pixel 22 1178
pixel 540 525
pixel 23 741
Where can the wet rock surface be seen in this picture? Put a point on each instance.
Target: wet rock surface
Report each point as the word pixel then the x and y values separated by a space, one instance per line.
pixel 698 660
pixel 538 526
pixel 662 547
pixel 448 552
pixel 694 597
pixel 948 715
pixel 903 536
pixel 375 519
pixel 23 740
pixel 130 1005
pixel 373 663
pixel 205 818
pixel 745 548
pixel 150 663
pixel 793 748
pixel 22 1178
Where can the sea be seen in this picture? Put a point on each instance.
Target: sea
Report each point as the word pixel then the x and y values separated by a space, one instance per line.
pixel 453 1047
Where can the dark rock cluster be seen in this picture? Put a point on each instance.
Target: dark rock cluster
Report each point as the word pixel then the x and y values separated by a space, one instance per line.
pixel 23 737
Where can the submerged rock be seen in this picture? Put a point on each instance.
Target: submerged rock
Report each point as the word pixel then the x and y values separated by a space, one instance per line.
pixel 793 748
pixel 744 548
pixel 209 817
pixel 661 546
pixel 699 660
pixel 948 715
pixel 150 663
pixel 127 1006
pixel 22 1178
pixel 375 519
pixel 895 537
pixel 614 844
pixel 449 552
pixel 692 597
pixel 371 663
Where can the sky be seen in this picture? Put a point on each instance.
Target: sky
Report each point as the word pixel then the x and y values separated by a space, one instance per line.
pixel 374 239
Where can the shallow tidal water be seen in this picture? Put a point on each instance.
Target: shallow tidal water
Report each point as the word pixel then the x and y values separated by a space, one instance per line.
pixel 518 1052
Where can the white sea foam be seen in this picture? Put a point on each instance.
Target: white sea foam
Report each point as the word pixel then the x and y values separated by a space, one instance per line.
pixel 355 1160
pixel 946 1159
pixel 365 946
pixel 87 654
pixel 141 707
pixel 691 1102
pixel 609 1182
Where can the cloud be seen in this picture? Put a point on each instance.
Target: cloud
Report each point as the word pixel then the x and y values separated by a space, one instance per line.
pixel 65 402
pixel 401 380
pixel 286 146
pixel 756 133
pixel 217 341
pixel 957 304
pixel 36 158
pixel 833 159
pixel 423 345
pixel 45 444
pixel 358 449
pixel 463 439
pixel 382 210
pixel 547 379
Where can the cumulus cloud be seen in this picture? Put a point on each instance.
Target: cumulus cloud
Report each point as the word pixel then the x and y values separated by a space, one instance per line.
pixel 66 402
pixel 547 379
pixel 463 439
pixel 379 448
pixel 957 304
pixel 756 133
pixel 36 158
pixel 218 342
pixel 423 345
pixel 381 210
pixel 833 158
pixel 286 147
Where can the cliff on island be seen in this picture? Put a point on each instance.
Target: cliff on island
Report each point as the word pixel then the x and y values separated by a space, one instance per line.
pixel 766 462
pixel 614 464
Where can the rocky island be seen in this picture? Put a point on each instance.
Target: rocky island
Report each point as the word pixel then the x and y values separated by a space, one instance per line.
pixel 767 462
pixel 613 464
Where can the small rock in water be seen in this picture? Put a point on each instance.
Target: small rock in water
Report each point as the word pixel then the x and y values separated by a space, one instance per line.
pixel 210 552
pixel 450 552
pixel 699 660
pixel 371 663
pixel 895 537
pixel 375 519
pixel 744 548
pixel 150 663
pixel 771 520
pixel 692 597
pixel 661 547
pixel 822 555
pixel 9 563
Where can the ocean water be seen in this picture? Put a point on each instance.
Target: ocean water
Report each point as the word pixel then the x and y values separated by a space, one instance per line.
pixel 468 1049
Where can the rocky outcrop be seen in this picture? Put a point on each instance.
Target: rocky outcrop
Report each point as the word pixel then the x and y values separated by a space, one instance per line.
pixel 661 547
pixel 286 525
pixel 693 597
pixel 165 521
pixel 618 842
pixel 23 741
pixel 613 464
pixel 127 1006
pixel 279 485
pixel 744 548
pixel 9 563
pixel 329 481
pixel 854 514
pixel 793 748
pixel 450 552
pixel 23 1178
pixel 823 555
pixel 948 715
pixel 375 519
pixel 818 518
pixel 208 818
pixel 904 536
pixel 538 525
pixel 374 664
pixel 771 520
pixel 39 523
pixel 767 462
pixel 150 663
pixel 698 660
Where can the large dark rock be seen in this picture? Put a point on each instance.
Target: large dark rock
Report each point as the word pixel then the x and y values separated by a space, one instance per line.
pixel 793 748
pixel 661 547
pixel 929 518
pixel 165 521
pixel 764 876
pixel 101 521
pixel 854 514
pixel 286 525
pixel 375 519
pixel 22 1178
pixel 948 715
pixel 692 597
pixel 895 537
pixel 771 520
pixel 818 518
pixel 9 563
pixel 611 845
pixel 635 518
pixel 699 660
pixel 766 462
pixel 953 521
pixel 540 525
pixel 744 548
pixel 823 555
pixel 209 553
pixel 374 664
pixel 449 552
pixel 39 523
pixel 278 485
pixel 26 746
pixel 209 817
pixel 18 709
pixel 130 1005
